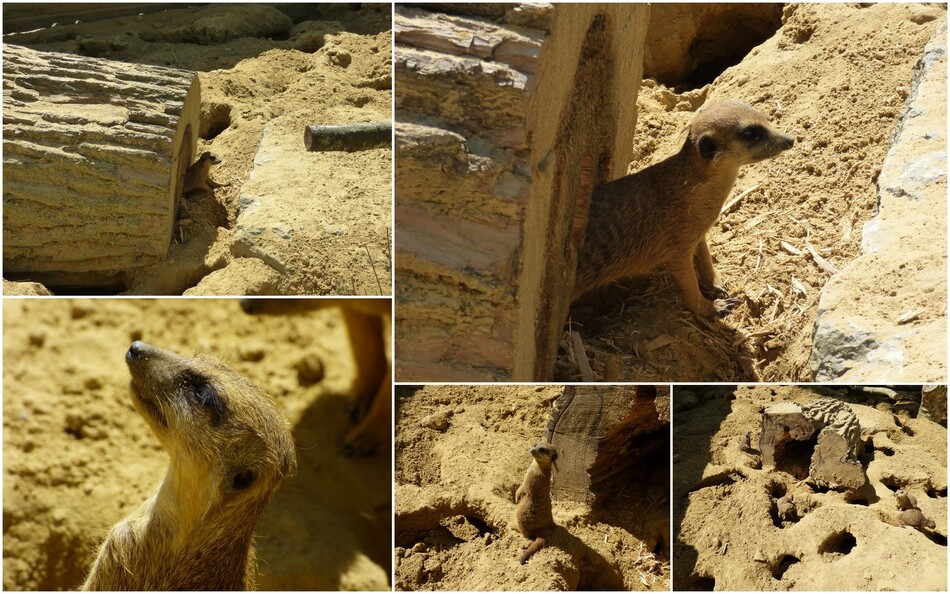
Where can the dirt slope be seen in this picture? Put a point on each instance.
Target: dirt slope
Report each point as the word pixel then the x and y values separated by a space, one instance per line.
pixel 461 452
pixel 834 76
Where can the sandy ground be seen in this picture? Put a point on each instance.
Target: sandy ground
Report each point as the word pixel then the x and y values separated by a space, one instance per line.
pixel 291 221
pixel 834 76
pixel 726 531
pixel 468 469
pixel 77 458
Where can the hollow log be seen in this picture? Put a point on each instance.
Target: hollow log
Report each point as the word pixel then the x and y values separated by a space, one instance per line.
pixel 348 137
pixel 608 434
pixel 614 446
pixel 823 436
pixel 94 155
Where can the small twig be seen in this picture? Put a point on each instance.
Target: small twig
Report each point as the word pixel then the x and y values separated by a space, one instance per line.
pixel 821 262
pixel 791 249
pixel 586 373
pixel 909 316
pixel 729 205
pixel 378 285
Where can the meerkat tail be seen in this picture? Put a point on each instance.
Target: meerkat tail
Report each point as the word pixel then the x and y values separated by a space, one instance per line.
pixel 532 549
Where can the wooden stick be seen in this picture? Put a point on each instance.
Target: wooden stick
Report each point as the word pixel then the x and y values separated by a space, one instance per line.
pixel 348 137
pixel 736 200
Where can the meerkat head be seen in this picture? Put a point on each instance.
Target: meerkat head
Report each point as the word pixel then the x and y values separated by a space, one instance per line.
pixel 733 133
pixel 209 158
pixel 226 437
pixel 545 454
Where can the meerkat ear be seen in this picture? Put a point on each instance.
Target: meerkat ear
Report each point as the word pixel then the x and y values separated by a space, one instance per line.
pixel 243 480
pixel 707 147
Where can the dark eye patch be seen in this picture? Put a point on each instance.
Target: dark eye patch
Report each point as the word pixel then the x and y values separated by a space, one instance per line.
pixel 203 393
pixel 752 133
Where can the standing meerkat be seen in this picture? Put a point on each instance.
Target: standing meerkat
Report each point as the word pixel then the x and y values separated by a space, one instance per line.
pixel 533 498
pixel 659 216
pixel 905 500
pixel 229 449
pixel 198 176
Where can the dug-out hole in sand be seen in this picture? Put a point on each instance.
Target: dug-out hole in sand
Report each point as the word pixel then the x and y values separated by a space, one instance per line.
pixel 688 46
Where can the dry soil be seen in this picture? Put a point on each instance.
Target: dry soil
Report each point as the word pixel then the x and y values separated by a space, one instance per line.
pixel 728 536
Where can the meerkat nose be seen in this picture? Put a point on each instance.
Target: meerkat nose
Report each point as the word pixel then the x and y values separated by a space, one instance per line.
pixel 138 351
pixel 789 142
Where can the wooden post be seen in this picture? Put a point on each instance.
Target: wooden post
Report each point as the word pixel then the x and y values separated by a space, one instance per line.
pixel 94 154
pixel 580 120
pixel 498 113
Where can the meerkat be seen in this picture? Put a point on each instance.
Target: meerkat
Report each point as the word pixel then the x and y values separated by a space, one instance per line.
pixel 371 406
pixel 660 215
pixel 533 498
pixel 905 500
pixel 916 519
pixel 229 449
pixel 786 507
pixel 198 176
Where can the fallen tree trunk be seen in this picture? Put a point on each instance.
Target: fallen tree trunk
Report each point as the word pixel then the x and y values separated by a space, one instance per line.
pixel 348 137
pixel 94 154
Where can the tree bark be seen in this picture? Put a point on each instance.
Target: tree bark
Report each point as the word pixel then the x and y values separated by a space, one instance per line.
pixel 95 152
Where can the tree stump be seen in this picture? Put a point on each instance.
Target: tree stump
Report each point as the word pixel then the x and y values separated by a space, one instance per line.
pixel 94 155
pixel 614 454
pixel 820 440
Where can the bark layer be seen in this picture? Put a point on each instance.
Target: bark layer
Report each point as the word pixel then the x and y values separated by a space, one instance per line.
pixel 94 154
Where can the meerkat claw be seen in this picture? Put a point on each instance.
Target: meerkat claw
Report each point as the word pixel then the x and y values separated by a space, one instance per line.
pixel 725 306
pixel 713 291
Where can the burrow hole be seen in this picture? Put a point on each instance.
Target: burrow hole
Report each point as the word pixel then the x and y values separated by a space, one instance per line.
pixel 839 543
pixel 721 40
pixel 783 564
pixel 794 457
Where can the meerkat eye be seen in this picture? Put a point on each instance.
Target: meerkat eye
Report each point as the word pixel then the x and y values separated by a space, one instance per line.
pixel 752 133
pixel 242 481
pixel 203 393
